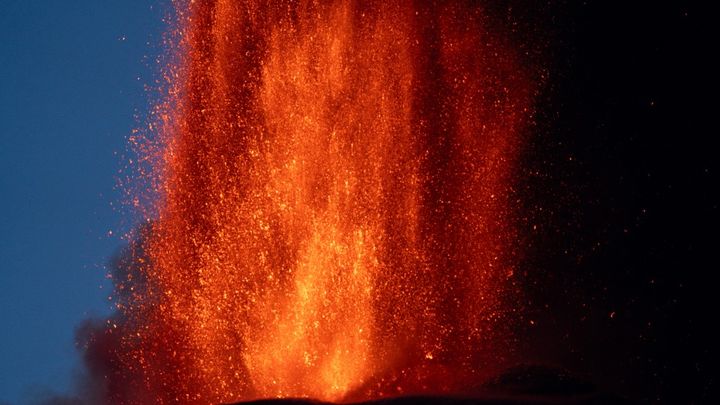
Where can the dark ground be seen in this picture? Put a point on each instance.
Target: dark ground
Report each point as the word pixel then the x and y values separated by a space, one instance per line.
pixel 524 385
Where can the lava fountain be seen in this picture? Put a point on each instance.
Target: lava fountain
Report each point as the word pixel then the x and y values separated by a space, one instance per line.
pixel 333 216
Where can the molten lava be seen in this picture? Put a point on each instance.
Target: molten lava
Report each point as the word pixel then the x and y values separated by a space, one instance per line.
pixel 333 209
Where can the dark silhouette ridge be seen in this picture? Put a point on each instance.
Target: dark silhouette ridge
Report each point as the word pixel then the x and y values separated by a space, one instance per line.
pixel 527 384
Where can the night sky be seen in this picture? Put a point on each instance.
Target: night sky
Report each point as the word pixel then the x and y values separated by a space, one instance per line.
pixel 621 200
pixel 72 76
pixel 619 187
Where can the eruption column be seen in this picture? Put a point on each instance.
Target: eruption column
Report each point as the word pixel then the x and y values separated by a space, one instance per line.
pixel 333 216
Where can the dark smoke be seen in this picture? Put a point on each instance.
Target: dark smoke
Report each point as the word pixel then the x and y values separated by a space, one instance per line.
pixel 98 341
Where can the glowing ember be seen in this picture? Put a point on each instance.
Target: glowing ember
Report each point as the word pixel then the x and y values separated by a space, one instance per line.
pixel 333 216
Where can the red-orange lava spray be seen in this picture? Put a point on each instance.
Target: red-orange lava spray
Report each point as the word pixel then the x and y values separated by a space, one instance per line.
pixel 333 217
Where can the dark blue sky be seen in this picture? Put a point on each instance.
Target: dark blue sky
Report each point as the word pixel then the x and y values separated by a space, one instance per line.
pixel 71 82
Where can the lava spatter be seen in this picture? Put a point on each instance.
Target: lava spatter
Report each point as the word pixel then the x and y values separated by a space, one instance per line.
pixel 332 217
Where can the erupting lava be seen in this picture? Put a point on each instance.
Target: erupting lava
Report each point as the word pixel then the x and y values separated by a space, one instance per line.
pixel 333 215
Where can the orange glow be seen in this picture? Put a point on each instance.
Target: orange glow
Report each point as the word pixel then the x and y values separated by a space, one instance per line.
pixel 333 208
